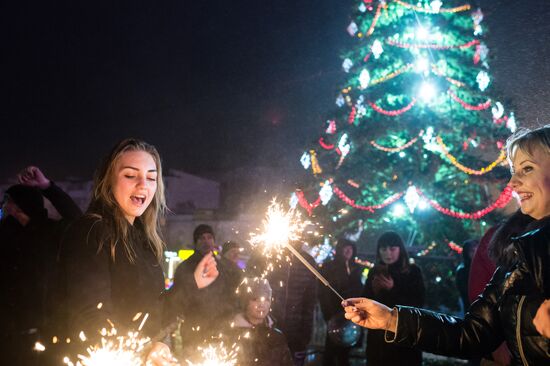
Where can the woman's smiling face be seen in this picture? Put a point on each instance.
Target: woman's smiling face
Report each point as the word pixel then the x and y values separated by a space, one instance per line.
pixel 531 181
pixel 134 183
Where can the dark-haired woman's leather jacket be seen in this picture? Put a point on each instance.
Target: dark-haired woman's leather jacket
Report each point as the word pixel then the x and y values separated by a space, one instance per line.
pixel 503 312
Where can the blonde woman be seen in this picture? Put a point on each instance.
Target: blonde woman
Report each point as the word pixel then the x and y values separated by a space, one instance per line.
pixel 112 255
pixel 514 307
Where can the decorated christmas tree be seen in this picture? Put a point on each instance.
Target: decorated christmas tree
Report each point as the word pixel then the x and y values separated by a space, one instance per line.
pixel 415 140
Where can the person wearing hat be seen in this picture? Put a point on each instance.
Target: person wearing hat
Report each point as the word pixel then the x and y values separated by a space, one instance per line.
pixel 202 309
pixel 261 344
pixel 30 243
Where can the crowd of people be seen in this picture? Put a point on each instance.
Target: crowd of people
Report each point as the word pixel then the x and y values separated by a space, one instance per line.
pixel 102 268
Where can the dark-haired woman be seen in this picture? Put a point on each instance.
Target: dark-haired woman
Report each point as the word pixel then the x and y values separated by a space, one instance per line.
pixel 112 255
pixel 393 280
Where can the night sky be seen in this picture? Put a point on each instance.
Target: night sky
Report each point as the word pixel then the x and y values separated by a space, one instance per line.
pixel 215 85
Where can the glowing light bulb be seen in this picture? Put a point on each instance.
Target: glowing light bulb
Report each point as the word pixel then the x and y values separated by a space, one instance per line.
pixel 422 65
pixel 427 91
pixel 398 210
pixel 422 33
pixel 364 78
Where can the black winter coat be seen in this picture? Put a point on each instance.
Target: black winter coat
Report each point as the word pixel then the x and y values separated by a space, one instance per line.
pixel 122 287
pixel 202 310
pixel 408 289
pixel 28 265
pixel 503 312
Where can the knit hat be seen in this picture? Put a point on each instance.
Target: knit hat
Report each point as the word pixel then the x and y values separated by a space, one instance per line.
pixel 202 229
pixel 28 199
pixel 251 288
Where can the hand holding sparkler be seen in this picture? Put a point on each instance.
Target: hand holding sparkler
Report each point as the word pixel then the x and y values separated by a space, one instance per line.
pixel 206 271
pixel 370 314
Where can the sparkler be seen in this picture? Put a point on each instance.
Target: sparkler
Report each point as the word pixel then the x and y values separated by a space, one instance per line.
pixel 280 229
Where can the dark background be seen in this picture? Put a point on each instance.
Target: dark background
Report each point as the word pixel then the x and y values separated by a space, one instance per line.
pixel 215 85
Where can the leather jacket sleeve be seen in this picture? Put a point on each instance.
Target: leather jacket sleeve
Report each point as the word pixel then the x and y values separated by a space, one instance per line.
pixel 479 333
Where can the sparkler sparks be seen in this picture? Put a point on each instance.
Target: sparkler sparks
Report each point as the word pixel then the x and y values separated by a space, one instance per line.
pixel 113 350
pixel 217 356
pixel 280 229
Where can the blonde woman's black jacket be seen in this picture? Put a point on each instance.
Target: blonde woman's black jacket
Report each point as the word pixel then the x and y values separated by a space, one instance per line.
pixel 503 312
pixel 124 288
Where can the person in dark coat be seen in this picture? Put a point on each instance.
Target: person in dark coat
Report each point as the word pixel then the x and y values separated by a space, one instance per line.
pixel 462 273
pixel 515 305
pixel 345 276
pixel 111 256
pixel 393 280
pixel 202 309
pixel 30 243
pixel 260 342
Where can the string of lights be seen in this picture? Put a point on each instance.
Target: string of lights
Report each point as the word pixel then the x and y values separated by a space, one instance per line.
pixel 468 106
pixel 393 113
pixel 433 10
pixel 398 148
pixel 431 46
pixel 465 169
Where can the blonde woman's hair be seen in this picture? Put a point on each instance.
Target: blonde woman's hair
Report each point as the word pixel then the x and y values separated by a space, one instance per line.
pixel 104 206
pixel 527 140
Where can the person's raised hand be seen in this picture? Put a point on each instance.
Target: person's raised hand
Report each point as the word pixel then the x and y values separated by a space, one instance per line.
pixel 206 271
pixel 160 355
pixel 32 176
pixel 542 319
pixel 370 314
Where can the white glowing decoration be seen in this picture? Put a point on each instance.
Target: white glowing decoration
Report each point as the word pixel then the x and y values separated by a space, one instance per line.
pixel 402 154
pixel 436 5
pixel 362 8
pixel 430 142
pixel 483 52
pixel 347 64
pixel 343 145
pixel 331 128
pixel 483 80
pixel 497 110
pixel 412 198
pixel 422 33
pixel 377 49
pixel 340 101
pixel 422 65
pixel 511 123
pixel 427 91
pixel 305 160
pixel 364 78
pixel 361 111
pixel 352 28
pixel 293 200
pixel 398 210
pixel 322 251
pixel 438 279
pixel 325 193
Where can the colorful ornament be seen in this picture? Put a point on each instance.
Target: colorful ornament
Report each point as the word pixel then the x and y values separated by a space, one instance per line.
pixel 483 80
pixel 394 112
pixel 511 123
pixel 377 49
pixel 352 28
pixel 343 145
pixel 305 160
pixel 293 202
pixel 315 163
pixel 497 110
pixel 465 169
pixel 364 79
pixel 412 199
pixel 347 64
pixel 470 107
pixel 325 193
pixel 340 100
pixel 331 129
